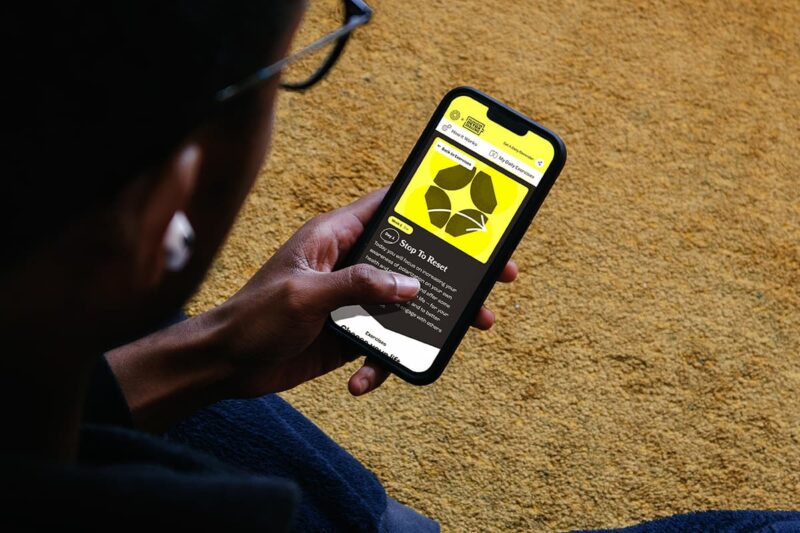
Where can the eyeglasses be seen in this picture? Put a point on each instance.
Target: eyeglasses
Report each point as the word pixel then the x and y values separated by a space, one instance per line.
pixel 356 13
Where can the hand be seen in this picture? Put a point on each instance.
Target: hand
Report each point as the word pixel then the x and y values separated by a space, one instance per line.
pixel 270 336
pixel 275 324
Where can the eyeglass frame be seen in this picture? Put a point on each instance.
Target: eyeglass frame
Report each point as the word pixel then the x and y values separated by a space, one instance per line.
pixel 357 13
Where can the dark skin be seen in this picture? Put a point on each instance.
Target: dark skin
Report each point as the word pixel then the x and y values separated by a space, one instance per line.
pixel 103 279
pixel 270 336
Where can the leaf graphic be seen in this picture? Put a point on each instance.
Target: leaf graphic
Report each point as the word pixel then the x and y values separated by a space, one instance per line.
pixel 454 178
pixel 438 206
pixel 482 193
pixel 466 221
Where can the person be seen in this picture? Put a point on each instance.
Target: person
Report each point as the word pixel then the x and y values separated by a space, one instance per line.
pixel 139 128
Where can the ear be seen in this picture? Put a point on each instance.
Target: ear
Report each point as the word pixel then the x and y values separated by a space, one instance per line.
pixel 167 192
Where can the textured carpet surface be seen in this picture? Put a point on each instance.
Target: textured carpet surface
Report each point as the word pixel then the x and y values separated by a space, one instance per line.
pixel 647 361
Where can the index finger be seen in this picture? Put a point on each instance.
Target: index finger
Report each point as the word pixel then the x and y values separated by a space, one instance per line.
pixel 365 207
pixel 347 223
pixel 369 377
pixel 509 272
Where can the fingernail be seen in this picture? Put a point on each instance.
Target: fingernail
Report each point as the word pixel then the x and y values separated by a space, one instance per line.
pixel 406 286
pixel 364 385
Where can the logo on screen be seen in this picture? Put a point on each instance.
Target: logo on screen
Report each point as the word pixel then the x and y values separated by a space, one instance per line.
pixel 475 126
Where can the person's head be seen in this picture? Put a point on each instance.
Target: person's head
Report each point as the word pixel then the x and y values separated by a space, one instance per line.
pixel 113 128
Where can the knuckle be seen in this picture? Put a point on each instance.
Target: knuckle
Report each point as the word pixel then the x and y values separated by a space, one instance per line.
pixel 363 277
pixel 294 294
pixel 319 221
pixel 310 226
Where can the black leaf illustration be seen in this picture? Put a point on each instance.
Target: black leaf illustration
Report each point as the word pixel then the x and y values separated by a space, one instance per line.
pixel 482 192
pixel 466 221
pixel 454 178
pixel 438 206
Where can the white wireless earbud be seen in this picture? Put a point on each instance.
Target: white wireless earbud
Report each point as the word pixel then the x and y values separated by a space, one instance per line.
pixel 178 242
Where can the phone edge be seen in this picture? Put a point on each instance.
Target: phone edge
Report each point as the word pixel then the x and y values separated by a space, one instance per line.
pixel 485 286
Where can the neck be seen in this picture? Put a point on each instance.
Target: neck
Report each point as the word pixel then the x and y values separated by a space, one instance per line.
pixel 50 339
pixel 41 405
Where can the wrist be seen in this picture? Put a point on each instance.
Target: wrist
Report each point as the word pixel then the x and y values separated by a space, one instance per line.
pixel 174 372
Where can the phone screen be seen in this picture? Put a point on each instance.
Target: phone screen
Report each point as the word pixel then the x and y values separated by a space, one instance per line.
pixel 466 189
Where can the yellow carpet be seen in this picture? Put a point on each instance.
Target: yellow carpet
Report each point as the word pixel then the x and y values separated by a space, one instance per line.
pixel 648 360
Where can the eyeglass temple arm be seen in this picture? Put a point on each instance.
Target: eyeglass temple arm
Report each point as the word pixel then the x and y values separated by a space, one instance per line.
pixel 267 72
pixel 354 9
pixel 322 70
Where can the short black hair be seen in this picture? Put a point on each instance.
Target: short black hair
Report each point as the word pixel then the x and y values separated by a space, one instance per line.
pixel 98 92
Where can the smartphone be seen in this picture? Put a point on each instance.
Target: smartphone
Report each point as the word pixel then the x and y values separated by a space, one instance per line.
pixel 457 210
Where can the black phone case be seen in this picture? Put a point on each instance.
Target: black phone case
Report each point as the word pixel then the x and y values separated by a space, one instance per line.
pixel 504 252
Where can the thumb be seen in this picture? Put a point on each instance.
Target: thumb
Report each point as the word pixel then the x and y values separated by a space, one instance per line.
pixel 364 284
